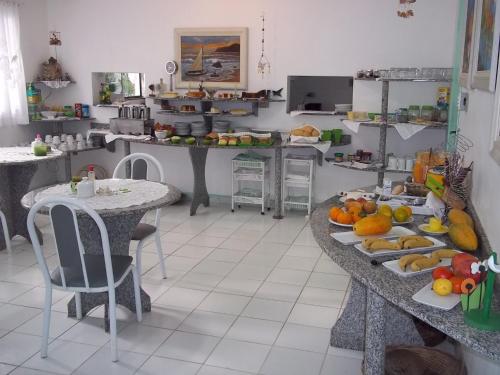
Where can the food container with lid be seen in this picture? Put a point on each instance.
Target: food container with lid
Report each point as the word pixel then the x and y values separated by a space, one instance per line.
pixel 339 157
pixel 427 112
pixel 413 112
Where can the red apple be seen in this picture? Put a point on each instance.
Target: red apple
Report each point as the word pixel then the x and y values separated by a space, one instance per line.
pixel 461 263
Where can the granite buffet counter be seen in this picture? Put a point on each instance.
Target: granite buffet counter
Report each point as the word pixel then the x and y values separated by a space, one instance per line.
pixel 198 154
pixel 380 307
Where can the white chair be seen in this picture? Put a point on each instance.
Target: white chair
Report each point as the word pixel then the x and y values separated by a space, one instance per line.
pixel 77 271
pixel 5 231
pixel 140 163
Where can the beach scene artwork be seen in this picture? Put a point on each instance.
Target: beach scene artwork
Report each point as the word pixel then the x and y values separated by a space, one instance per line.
pixel 216 59
pixel 486 36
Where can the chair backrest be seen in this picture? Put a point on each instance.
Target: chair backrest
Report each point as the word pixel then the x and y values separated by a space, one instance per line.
pixel 140 165
pixel 69 247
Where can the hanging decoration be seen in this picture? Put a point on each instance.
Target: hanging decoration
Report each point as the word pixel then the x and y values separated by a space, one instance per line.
pixel 406 8
pixel 51 72
pixel 263 64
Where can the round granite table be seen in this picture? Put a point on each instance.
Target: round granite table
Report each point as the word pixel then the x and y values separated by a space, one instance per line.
pixel 17 168
pixel 380 308
pixel 121 212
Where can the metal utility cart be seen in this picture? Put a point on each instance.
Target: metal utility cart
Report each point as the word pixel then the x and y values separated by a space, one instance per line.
pixel 298 177
pixel 251 182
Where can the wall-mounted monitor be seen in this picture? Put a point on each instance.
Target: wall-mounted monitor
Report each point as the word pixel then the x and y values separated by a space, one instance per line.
pixel 318 93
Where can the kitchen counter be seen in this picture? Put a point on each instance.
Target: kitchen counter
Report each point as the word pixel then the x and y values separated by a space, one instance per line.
pixel 377 293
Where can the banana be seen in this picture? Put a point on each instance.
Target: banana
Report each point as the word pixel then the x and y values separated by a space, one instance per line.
pixel 367 242
pixel 382 244
pixel 403 239
pixel 444 253
pixel 423 263
pixel 406 260
pixel 417 242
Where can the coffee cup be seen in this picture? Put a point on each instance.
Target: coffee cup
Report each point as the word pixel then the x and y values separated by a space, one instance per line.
pixel 56 141
pixel 80 145
pixel 69 138
pixel 48 139
pixel 63 147
pixel 79 137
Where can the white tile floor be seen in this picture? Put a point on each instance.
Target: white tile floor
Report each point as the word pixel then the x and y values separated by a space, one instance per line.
pixel 245 294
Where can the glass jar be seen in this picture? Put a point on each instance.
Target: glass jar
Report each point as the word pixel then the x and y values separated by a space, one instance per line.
pixel 402 115
pixel 413 112
pixel 339 157
pixel 427 112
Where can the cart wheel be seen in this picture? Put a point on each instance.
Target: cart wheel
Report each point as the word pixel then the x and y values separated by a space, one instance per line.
pixel 232 210
pixel 239 206
pixel 269 208
pixel 262 213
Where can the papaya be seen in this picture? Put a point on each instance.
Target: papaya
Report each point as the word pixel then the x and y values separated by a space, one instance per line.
pixel 456 216
pixel 463 236
pixel 372 225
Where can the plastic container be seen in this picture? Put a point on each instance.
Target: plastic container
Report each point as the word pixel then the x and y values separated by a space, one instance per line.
pixel 427 113
pixel 402 115
pixel 413 112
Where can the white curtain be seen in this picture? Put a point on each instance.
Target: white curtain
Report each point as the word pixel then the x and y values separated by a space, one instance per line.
pixel 13 104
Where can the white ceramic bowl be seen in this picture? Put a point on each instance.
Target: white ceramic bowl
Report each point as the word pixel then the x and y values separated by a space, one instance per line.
pixel 49 114
pixel 161 134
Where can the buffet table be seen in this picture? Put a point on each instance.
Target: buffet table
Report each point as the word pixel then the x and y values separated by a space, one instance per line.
pixel 17 168
pixel 121 213
pixel 380 308
pixel 198 155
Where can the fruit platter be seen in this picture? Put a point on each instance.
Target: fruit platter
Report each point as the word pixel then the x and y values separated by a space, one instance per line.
pixel 416 264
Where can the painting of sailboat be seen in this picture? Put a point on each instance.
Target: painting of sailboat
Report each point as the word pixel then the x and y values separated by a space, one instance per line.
pixel 218 57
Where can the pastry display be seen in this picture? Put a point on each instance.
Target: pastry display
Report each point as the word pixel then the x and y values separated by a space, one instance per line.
pixel 246 140
pixel 196 94
pixel 233 141
pixel 306 131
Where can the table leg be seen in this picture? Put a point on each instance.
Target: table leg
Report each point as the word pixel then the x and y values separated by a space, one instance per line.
pixel 67 167
pixel 15 183
pixel 278 165
pixel 374 359
pixel 198 157
pixel 120 228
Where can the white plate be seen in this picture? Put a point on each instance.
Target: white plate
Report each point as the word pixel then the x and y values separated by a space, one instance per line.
pixel 393 265
pixel 423 227
pixel 437 245
pixel 427 296
pixel 349 238
pixel 356 195
pixel 339 224
pixel 411 220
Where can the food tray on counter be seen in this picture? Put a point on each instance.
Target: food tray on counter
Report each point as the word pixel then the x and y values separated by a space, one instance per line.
pixel 427 296
pixel 350 238
pixel 393 265
pixel 437 245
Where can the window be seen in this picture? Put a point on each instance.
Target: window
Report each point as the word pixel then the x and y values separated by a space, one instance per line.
pixel 13 104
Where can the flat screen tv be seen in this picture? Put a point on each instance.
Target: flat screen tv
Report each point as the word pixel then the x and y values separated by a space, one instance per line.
pixel 318 93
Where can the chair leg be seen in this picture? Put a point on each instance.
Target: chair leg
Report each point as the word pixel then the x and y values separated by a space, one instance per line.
pixel 6 234
pixel 137 294
pixel 78 305
pixel 112 324
pixel 159 250
pixel 138 262
pixel 46 321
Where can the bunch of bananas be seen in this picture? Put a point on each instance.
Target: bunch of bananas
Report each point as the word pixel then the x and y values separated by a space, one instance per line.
pixel 418 262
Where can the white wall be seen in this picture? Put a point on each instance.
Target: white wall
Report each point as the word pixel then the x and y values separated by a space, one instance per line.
pixel 315 37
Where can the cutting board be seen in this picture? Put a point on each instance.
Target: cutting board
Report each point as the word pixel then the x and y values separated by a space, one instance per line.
pixel 349 238
pixel 427 296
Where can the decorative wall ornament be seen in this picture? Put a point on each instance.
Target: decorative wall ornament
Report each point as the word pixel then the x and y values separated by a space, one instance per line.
pixel 406 8
pixel 263 65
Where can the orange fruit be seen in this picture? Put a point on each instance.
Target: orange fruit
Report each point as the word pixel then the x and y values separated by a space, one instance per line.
pixel 334 212
pixel 408 210
pixel 344 218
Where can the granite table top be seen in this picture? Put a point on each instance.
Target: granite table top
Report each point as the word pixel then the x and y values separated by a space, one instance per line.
pixel 399 290
pixel 23 155
pixel 170 196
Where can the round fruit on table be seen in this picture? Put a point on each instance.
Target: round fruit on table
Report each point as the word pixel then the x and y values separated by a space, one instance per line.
pixel 456 282
pixel 442 273
pixel 442 287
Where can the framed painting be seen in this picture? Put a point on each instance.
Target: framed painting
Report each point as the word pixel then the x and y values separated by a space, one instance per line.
pixel 468 45
pixel 218 57
pixel 486 41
